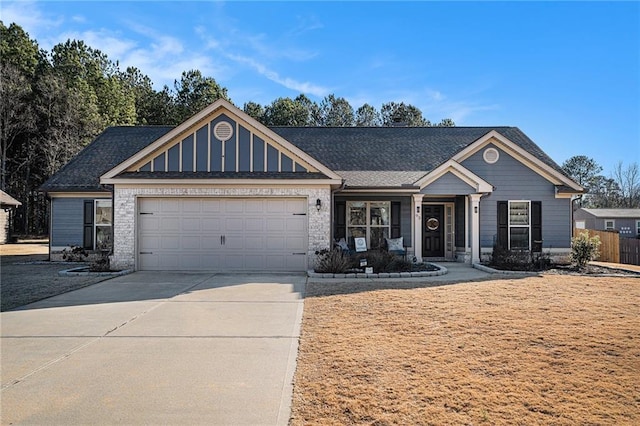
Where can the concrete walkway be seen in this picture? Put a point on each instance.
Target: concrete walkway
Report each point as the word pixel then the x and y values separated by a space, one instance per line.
pixel 155 348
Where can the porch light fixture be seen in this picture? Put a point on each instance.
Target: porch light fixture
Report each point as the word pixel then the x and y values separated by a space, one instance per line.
pixel 318 204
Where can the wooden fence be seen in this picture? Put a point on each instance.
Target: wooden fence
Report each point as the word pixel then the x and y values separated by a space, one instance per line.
pixel 630 251
pixel 613 248
pixel 609 244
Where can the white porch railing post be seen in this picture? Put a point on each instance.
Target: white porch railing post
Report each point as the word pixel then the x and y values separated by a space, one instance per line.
pixel 417 226
pixel 475 227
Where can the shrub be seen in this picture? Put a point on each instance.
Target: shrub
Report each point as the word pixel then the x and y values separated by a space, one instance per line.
pixel 100 264
pixel 584 249
pixel 74 254
pixel 332 262
pixel 519 260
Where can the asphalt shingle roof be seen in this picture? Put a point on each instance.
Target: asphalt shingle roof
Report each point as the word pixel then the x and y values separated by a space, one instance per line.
pixel 109 149
pixel 614 213
pixel 363 156
pixel 395 148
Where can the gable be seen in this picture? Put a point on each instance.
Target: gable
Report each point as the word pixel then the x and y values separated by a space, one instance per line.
pixel 448 184
pixel 525 152
pixel 223 141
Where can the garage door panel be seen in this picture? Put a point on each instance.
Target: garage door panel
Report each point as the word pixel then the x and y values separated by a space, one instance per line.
pixel 259 234
pixel 168 224
pixel 275 224
pixel 169 206
pixel 170 242
pixel 211 224
pixel 234 224
pixel 150 224
pixel 191 224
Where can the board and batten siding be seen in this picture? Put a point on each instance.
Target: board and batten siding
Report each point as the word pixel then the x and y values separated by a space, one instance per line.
pixel 67 218
pixel 512 180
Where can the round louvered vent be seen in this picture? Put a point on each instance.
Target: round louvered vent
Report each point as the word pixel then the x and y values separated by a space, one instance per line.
pixel 223 131
pixel 490 155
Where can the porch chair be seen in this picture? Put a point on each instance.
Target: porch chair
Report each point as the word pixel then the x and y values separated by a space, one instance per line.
pixel 396 246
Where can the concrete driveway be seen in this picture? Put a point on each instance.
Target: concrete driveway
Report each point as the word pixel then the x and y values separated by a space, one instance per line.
pixel 155 348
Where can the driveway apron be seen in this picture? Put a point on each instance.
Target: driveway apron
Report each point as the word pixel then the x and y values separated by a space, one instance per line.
pixel 155 348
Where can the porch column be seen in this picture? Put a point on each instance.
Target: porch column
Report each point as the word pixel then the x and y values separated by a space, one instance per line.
pixel 417 226
pixel 475 227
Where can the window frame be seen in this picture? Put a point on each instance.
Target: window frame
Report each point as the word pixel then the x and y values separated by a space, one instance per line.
pixel 97 225
pixel 368 225
pixel 519 225
pixel 613 225
pixel 637 227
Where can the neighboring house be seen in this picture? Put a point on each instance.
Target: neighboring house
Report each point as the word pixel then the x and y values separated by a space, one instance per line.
pixel 625 221
pixel 222 191
pixel 7 204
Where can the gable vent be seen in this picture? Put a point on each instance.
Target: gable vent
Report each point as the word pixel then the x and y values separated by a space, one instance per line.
pixel 491 155
pixel 223 131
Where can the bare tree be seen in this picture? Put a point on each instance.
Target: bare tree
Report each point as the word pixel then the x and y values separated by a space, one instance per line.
pixel 628 180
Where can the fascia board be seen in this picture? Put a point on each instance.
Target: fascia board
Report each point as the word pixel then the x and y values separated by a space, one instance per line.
pixel 367 189
pixel 61 194
pixel 223 182
pixel 239 116
pixel 518 153
pixel 461 172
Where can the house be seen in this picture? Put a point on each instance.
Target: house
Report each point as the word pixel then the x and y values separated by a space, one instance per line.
pixel 7 204
pixel 625 221
pixel 222 191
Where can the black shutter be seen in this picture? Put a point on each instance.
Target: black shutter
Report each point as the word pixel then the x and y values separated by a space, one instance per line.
pixel 536 226
pixel 340 220
pixel 395 219
pixel 87 241
pixel 503 225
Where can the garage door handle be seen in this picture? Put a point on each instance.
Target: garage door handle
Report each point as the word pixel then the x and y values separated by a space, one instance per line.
pixel 298 254
pixel 223 240
pixel 146 252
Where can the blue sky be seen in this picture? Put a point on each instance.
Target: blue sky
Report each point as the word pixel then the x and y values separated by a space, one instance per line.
pixel 567 74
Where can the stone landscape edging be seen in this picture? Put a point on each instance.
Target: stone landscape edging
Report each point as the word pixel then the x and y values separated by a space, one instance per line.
pixel 82 271
pixel 382 275
pixel 490 270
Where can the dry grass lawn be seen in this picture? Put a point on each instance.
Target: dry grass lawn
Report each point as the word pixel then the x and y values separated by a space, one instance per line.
pixel 552 350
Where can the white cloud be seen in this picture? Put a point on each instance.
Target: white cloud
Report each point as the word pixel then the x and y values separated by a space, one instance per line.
pixel 28 15
pixel 289 83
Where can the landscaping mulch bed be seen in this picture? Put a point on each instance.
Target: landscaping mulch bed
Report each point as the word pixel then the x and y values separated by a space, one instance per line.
pixel 552 349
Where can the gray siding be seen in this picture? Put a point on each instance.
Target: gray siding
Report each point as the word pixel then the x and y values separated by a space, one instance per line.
pixel 448 184
pixel 588 218
pixel 67 221
pixel 513 180
pixel 459 221
pixel 405 211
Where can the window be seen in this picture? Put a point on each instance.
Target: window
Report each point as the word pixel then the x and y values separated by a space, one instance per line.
pixel 519 225
pixel 580 224
pixel 609 225
pixel 638 227
pixel 103 224
pixel 369 219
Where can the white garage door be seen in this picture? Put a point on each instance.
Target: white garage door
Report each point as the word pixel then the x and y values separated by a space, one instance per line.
pixel 222 234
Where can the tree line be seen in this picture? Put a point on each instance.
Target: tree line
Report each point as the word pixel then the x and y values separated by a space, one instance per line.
pixel 55 102
pixel 620 190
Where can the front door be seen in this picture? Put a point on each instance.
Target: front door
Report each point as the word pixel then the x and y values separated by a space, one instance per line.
pixel 433 231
